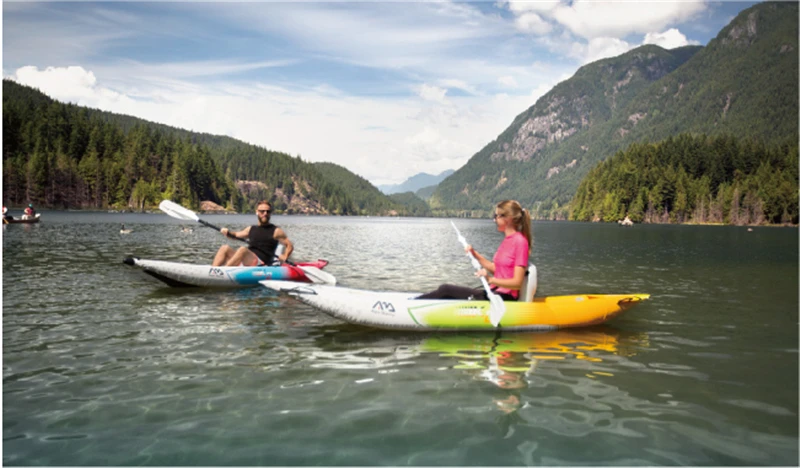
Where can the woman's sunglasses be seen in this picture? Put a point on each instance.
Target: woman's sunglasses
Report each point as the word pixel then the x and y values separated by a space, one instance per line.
pixel 495 216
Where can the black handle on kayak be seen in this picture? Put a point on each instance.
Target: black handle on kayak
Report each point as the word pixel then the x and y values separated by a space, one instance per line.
pixel 206 223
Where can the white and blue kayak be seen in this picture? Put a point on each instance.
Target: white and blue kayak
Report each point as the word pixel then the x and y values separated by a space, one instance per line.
pixel 181 275
pixel 403 311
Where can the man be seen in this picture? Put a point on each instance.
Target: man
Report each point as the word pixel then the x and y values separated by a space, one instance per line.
pixel 263 240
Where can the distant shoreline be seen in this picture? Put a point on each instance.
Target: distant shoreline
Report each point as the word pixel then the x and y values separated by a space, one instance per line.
pixel 156 211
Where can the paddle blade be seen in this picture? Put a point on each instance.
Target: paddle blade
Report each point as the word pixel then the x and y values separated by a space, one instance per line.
pixel 496 310
pixel 318 276
pixel 177 211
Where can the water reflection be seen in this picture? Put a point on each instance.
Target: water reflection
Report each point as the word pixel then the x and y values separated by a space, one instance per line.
pixel 508 361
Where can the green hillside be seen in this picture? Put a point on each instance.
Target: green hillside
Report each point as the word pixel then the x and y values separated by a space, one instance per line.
pixel 413 205
pixel 744 83
pixel 694 179
pixel 66 156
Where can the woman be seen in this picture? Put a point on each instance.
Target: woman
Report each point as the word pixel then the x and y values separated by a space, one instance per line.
pixel 509 264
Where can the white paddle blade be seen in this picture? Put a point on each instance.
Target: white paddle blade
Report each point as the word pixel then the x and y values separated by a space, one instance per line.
pixel 318 276
pixel 496 310
pixel 177 211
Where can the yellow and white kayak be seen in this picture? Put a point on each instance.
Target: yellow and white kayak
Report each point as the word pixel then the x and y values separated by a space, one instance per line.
pixel 402 311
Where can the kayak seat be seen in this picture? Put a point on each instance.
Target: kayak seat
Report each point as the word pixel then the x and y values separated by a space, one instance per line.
pixel 528 289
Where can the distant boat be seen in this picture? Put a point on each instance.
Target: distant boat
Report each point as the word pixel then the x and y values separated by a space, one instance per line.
pixel 625 222
pixel 23 220
pixel 125 231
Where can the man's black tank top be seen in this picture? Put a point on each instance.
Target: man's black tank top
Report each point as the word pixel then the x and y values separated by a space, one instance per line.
pixel 263 242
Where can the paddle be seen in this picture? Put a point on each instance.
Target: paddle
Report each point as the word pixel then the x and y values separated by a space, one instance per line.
pixel 497 307
pixel 177 211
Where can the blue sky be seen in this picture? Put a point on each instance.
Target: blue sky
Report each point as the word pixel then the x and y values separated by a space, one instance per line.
pixel 387 89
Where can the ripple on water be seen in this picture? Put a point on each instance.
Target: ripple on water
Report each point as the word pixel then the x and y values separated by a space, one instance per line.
pixel 108 366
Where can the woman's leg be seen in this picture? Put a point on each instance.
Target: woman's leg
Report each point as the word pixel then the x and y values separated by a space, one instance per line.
pixel 452 291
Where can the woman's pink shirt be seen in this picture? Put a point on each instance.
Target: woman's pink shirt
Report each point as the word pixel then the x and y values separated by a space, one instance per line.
pixel 513 252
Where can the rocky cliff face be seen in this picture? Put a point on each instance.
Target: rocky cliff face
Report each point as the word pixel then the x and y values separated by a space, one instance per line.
pixel 300 200
pixel 594 96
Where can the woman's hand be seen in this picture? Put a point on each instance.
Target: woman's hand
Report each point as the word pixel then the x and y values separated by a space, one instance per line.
pixel 482 272
pixel 224 231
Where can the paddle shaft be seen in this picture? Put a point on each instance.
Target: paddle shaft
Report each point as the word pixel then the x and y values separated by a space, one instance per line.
pixel 498 308
pixel 207 224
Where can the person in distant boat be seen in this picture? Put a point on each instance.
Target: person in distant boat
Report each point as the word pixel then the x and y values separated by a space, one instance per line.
pixel 29 212
pixel 6 217
pixel 509 264
pixel 263 238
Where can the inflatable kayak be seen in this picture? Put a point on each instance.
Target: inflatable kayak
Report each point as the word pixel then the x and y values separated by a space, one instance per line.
pixel 402 311
pixel 188 275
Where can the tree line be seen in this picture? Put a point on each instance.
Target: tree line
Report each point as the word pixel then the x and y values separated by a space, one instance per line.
pixel 58 155
pixel 66 156
pixel 694 179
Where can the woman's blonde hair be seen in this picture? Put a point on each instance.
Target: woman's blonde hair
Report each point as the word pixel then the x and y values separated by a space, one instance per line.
pixel 520 217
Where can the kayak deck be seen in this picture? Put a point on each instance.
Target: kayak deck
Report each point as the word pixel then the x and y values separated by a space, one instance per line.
pixel 184 275
pixel 402 311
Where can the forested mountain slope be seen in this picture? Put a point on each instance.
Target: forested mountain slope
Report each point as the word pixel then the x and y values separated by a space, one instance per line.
pixel 62 155
pixel 694 178
pixel 744 83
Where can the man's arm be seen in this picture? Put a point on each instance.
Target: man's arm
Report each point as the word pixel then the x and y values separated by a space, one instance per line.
pixel 281 237
pixel 243 234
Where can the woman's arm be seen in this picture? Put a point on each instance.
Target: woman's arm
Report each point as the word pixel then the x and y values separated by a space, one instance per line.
pixel 510 283
pixel 485 263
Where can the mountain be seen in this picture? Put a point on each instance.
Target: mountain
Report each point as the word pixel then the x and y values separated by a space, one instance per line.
pixel 743 83
pixel 66 156
pixel 366 198
pixel 425 193
pixel 414 205
pixel 416 182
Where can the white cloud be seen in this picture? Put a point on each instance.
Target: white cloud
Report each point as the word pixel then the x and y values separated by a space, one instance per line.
pixel 507 81
pixel 669 39
pixel 533 23
pixel 599 48
pixel 542 6
pixel 593 19
pixel 70 84
pixel 432 93
pixel 459 84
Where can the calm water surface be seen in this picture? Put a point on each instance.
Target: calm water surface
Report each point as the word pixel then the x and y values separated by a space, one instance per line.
pixel 102 365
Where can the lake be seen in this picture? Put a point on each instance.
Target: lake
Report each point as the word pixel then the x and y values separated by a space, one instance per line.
pixel 103 365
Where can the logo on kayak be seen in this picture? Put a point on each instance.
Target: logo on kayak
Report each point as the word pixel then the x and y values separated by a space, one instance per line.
pixel 470 311
pixel 216 272
pixel 381 307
